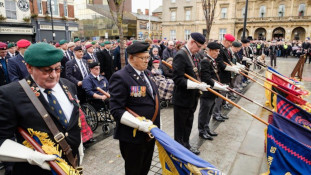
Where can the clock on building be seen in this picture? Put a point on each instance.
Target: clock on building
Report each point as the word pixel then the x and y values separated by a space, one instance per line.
pixel 23 5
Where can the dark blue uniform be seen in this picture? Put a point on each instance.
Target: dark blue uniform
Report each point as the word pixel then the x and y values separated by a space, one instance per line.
pixel 87 57
pixel 4 76
pixel 17 68
pixel 124 87
pixel 90 83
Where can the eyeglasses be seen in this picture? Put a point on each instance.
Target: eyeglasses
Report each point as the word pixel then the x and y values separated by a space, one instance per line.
pixel 199 46
pixel 144 58
pixel 50 70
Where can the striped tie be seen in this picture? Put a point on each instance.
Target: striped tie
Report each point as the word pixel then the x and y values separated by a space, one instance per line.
pixel 84 72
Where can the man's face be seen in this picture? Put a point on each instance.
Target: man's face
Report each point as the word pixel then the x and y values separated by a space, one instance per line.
pixel 227 44
pixel 95 70
pixel 140 61
pixel 108 46
pixel 79 54
pixel 12 50
pixel 22 50
pixel 64 46
pixel 45 77
pixel 214 53
pixel 170 46
pixel 155 51
pixel 78 43
pixel 3 53
pixel 195 46
pixel 90 50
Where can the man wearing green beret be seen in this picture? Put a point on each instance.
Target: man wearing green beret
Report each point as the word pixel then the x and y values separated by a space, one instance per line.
pixel 56 95
pixel 11 51
pixel 105 59
pixel 77 42
pixel 64 47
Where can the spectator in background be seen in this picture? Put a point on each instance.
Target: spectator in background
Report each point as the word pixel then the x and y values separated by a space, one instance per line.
pixel 169 51
pixel 168 72
pixel 153 56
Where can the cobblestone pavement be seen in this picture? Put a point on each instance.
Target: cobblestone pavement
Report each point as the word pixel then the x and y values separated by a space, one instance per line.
pixel 238 148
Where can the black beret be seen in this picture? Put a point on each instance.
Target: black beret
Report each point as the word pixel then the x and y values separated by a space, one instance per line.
pixel 236 44
pixel 198 37
pixel 77 48
pixel 93 64
pixel 245 40
pixel 213 46
pixel 137 47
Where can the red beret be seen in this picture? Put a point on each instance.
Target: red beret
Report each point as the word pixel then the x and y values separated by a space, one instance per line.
pixel 57 45
pixel 88 46
pixel 23 43
pixel 156 61
pixel 155 41
pixel 129 43
pixel 3 46
pixel 229 37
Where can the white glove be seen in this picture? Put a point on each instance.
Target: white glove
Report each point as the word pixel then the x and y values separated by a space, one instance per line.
pixel 81 153
pixel 240 65
pixel 193 85
pixel 246 59
pixel 217 86
pixel 131 121
pixel 11 151
pixel 232 69
pixel 251 55
pixel 249 62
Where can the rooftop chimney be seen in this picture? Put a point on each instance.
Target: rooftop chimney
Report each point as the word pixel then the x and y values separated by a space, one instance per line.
pixel 147 12
pixel 139 11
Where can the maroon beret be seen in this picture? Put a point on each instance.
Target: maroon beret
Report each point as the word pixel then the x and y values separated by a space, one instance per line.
pixel 57 45
pixel 23 43
pixel 156 61
pixel 229 37
pixel 3 46
pixel 88 46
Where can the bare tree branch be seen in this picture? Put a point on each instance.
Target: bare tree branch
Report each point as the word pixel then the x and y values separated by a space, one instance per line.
pixel 208 7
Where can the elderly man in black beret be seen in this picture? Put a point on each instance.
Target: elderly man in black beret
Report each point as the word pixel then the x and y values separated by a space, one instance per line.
pixel 56 96
pixel 186 92
pixel 132 87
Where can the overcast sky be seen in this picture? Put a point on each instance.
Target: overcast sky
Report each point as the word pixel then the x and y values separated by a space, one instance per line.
pixel 144 4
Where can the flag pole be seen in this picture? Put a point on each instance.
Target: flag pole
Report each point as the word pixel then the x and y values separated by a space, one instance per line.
pixel 221 96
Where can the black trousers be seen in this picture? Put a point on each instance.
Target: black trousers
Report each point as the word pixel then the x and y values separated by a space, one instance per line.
pixel 183 120
pixel 206 109
pixel 137 157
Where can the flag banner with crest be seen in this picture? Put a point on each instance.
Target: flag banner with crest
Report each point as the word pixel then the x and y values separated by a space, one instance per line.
pixel 291 79
pixel 285 155
pixel 176 159
pixel 292 129
pixel 293 112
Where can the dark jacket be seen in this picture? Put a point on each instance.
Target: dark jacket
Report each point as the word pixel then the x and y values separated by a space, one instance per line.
pixel 223 57
pixel 90 83
pixel 13 115
pixel 73 72
pixel 106 63
pixel 4 76
pixel 117 58
pixel 208 75
pixel 167 72
pixel 87 57
pixel 272 50
pixel 17 68
pixel 168 53
pixel 121 84
pixel 182 96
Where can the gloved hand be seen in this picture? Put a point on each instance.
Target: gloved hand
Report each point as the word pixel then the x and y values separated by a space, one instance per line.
pixel 144 125
pixel 11 151
pixel 246 59
pixel 131 121
pixel 81 152
pixel 193 85
pixel 220 87
pixel 232 69
pixel 240 65
pixel 249 62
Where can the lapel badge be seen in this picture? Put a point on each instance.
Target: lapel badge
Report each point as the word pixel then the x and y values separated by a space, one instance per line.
pixel 134 75
pixel 29 82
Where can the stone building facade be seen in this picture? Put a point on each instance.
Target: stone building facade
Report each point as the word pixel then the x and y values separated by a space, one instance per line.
pixel 266 19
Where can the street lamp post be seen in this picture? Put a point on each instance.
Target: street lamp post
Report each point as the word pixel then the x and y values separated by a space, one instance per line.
pixel 53 34
pixel 245 19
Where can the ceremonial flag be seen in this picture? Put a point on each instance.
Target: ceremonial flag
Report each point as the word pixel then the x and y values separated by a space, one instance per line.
pixel 285 155
pixel 273 70
pixel 271 98
pixel 292 129
pixel 293 112
pixel 176 159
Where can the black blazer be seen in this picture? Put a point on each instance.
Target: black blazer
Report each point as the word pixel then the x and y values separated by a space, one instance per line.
pixel 16 68
pixel 225 76
pixel 120 86
pixel 87 56
pixel 106 63
pixel 182 96
pixel 73 72
pixel 208 75
pixel 13 115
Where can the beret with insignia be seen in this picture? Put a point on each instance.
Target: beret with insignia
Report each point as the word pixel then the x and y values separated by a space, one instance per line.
pixel 213 46
pixel 76 39
pixel 229 37
pixel 11 45
pixel 93 64
pixel 3 46
pixel 23 43
pixel 137 47
pixel 61 42
pixel 43 55
pixel 245 41
pixel 236 44
pixel 198 37
pixel 77 48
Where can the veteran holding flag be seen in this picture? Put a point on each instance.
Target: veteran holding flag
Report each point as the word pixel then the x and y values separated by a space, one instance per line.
pixel 43 104
pixel 131 87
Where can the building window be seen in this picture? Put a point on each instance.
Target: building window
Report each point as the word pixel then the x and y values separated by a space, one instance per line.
pixel 10 9
pixel 224 12
pixel 222 33
pixel 173 15
pixel 281 10
pixel 187 34
pixel 39 4
pixel 173 1
pixel 302 9
pixel 243 12
pixel 54 7
pixel 188 15
pixel 65 8
pixel 262 11
pixel 173 34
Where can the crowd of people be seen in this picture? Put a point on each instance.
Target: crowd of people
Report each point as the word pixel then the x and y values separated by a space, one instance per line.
pixel 65 74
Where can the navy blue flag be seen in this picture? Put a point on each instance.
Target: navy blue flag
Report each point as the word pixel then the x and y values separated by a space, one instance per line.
pixel 285 155
pixel 292 129
pixel 293 112
pixel 176 159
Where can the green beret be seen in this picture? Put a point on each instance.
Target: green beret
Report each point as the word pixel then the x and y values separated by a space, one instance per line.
pixel 107 42
pixel 102 44
pixel 134 41
pixel 11 45
pixel 76 39
pixel 42 55
pixel 61 42
pixel 93 42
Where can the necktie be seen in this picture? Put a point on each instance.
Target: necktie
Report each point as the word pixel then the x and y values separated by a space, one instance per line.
pixel 55 106
pixel 67 55
pixel 147 84
pixel 92 56
pixel 84 72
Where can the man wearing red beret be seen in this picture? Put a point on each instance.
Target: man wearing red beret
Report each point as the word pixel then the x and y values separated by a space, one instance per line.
pixel 89 56
pixel 224 73
pixel 4 79
pixel 17 66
